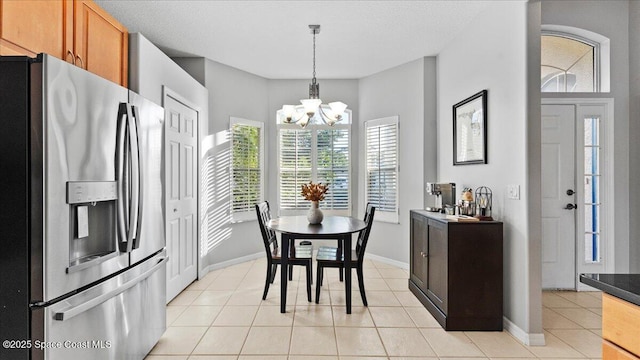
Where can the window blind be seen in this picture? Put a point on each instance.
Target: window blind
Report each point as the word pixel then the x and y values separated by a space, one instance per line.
pixel 295 167
pixel 333 167
pixel 382 167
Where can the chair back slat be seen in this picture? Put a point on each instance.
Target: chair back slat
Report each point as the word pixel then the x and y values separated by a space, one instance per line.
pixel 363 236
pixel 268 236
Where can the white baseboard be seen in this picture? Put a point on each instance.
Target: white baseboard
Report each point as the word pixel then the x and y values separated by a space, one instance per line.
pixel 385 260
pixel 204 271
pixel 524 337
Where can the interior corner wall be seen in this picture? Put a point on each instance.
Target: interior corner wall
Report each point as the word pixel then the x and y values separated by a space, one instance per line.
pixel 398 91
pixel 195 66
pixel 634 133
pixel 149 70
pixel 491 54
pixel 430 138
pixel 610 19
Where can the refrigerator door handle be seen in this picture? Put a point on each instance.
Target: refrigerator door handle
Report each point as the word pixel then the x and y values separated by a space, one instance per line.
pixel 87 305
pixel 134 213
pixel 138 173
pixel 122 202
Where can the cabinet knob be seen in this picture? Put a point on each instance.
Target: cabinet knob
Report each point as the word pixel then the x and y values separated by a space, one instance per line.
pixel 423 254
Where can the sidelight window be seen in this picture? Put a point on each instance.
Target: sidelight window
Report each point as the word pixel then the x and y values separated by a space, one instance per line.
pixel 592 189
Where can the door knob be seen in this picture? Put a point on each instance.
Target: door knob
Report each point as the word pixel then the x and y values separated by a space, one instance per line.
pixel 570 207
pixel 570 192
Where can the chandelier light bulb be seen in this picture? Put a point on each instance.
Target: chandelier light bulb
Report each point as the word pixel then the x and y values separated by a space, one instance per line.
pixel 288 111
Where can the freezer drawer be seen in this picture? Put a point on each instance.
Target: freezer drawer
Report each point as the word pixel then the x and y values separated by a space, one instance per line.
pixel 120 319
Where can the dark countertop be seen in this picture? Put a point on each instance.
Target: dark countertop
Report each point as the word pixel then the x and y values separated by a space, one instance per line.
pixel 443 218
pixel 623 286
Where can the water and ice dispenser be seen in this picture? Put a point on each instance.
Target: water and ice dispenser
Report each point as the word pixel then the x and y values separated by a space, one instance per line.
pixel 92 222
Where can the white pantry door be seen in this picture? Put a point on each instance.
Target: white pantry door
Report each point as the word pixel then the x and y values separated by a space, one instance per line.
pixel 181 159
pixel 558 197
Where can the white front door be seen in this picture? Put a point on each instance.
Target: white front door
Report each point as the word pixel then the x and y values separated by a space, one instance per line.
pixel 558 197
pixel 181 156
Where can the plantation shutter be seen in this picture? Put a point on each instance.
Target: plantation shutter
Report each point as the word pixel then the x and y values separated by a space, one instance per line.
pixel 382 167
pixel 333 167
pixel 295 167
pixel 246 167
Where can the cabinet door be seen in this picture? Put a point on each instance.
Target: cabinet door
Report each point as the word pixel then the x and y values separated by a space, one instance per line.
pixel 612 352
pixel 437 276
pixel 101 42
pixel 30 27
pixel 419 237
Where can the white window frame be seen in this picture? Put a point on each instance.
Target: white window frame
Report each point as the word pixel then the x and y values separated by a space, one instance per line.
pixel 249 214
pixel 384 216
pixel 314 171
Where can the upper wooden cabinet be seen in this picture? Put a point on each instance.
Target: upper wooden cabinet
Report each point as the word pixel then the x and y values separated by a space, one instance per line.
pixel 78 31
pixel 29 27
pixel 101 43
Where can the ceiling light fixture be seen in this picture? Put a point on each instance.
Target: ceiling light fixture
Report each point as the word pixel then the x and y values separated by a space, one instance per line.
pixel 302 114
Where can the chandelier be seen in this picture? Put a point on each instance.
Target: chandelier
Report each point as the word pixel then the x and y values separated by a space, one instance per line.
pixel 302 114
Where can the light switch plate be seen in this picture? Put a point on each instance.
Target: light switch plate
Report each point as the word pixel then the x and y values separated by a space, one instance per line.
pixel 513 192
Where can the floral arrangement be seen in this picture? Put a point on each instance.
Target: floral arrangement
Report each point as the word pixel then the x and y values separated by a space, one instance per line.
pixel 314 192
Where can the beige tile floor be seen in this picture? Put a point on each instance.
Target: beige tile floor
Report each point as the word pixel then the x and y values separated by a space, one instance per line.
pixel 223 317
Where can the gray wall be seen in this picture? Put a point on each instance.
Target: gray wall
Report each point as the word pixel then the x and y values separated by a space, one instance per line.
pixel 497 40
pixel 401 91
pixel 236 93
pixel 634 133
pixel 609 18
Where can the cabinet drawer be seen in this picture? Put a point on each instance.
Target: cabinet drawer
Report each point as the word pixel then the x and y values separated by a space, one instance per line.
pixel 621 323
pixel 612 352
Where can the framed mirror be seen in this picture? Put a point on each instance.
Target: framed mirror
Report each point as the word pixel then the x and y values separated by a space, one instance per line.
pixel 470 130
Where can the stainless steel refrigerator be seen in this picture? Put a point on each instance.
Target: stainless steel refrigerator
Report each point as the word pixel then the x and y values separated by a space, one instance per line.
pixel 82 245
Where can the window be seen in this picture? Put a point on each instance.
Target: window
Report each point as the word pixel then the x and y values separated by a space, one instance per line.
pixel 318 153
pixel 382 167
pixel 574 60
pixel 592 183
pixel 247 167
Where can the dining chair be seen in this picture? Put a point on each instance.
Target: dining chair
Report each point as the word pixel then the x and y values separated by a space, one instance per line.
pixel 273 251
pixel 333 257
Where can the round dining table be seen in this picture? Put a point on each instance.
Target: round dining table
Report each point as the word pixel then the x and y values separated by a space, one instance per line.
pixel 332 227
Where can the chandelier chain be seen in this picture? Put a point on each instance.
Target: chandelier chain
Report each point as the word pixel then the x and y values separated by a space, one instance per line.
pixel 314 56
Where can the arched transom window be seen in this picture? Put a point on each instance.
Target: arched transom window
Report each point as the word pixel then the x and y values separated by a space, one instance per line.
pixel 569 63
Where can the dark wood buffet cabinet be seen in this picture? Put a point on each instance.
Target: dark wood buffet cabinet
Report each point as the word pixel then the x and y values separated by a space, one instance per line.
pixel 456 270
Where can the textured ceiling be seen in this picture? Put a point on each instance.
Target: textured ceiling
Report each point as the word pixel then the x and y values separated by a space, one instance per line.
pixel 272 39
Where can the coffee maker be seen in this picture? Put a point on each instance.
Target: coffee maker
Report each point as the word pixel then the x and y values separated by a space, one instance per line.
pixel 445 194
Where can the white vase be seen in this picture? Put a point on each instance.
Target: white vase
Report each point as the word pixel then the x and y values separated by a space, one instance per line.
pixel 314 215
